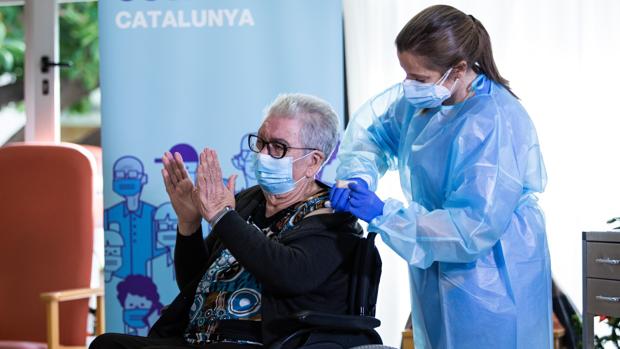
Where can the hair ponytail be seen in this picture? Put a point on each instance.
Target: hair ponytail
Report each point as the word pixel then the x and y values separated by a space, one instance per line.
pixel 484 61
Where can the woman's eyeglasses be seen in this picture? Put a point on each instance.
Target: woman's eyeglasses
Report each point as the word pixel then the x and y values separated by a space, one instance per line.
pixel 276 150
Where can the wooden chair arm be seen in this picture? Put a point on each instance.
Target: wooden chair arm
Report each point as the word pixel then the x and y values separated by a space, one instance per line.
pixel 407 339
pixel 52 300
pixel 73 294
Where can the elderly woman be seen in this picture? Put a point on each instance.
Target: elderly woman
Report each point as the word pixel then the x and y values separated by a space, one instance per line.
pixel 273 250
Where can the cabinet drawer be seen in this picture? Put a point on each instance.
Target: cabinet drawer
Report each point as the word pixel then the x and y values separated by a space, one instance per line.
pixel 603 297
pixel 603 260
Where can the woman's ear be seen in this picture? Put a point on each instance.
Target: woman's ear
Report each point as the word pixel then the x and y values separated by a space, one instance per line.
pixel 459 70
pixel 316 160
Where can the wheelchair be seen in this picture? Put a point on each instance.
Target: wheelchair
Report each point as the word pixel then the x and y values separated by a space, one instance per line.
pixel 355 329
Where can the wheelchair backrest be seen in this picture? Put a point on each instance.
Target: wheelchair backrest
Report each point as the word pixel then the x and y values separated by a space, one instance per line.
pixel 365 276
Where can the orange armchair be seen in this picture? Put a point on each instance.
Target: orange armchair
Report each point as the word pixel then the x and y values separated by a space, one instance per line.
pixel 46 241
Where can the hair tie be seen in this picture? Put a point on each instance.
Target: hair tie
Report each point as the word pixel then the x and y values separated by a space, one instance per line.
pixel 472 18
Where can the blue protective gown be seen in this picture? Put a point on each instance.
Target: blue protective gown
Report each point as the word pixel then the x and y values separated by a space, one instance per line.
pixel 471 231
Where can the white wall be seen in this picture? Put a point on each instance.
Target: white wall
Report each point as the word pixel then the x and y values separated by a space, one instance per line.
pixel 562 58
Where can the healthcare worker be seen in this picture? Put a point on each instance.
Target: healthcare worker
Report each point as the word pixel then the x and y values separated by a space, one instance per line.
pixel 469 163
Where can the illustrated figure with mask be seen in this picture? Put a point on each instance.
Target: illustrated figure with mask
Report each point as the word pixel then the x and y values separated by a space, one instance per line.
pixel 243 162
pixel 470 165
pixel 113 247
pixel 132 218
pixel 165 225
pixel 141 305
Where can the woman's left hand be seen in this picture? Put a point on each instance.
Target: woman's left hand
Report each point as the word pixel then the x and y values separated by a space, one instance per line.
pixel 211 195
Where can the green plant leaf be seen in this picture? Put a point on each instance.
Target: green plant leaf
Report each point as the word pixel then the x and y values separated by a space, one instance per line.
pixel 2 33
pixel 14 45
pixel 6 60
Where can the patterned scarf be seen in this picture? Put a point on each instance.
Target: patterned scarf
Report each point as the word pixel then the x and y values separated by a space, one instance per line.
pixel 295 214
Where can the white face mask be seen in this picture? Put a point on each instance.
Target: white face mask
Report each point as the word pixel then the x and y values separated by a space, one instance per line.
pixel 428 95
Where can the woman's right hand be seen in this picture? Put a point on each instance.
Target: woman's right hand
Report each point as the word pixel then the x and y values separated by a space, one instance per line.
pixel 179 187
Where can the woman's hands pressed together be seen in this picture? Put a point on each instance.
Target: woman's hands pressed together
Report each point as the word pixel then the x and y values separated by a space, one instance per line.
pixel 204 199
pixel 211 195
pixel 179 187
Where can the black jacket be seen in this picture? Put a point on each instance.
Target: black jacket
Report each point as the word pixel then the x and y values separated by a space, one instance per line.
pixel 307 269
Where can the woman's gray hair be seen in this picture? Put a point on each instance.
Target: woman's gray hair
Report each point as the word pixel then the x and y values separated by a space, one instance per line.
pixel 320 121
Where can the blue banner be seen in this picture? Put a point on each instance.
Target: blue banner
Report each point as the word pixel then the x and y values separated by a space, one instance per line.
pixel 179 75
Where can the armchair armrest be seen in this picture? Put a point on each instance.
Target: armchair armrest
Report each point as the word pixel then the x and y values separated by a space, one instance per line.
pixel 333 321
pixel 73 294
pixel 52 300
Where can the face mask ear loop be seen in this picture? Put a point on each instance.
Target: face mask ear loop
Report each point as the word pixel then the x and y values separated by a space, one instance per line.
pixel 300 179
pixel 301 157
pixel 325 162
pixel 453 86
pixel 444 77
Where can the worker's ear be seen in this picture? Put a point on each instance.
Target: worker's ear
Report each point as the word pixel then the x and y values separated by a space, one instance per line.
pixel 459 70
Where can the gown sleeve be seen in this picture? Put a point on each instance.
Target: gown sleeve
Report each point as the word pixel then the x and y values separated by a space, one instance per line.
pixel 370 144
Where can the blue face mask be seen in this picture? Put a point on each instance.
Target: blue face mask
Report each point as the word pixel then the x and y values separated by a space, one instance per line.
pixel 113 263
pixel 427 95
pixel 135 318
pixel 127 186
pixel 275 176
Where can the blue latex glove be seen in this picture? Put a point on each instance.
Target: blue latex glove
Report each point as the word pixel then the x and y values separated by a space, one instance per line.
pixel 364 203
pixel 339 197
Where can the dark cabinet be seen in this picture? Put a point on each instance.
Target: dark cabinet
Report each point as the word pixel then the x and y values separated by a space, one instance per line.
pixel 601 279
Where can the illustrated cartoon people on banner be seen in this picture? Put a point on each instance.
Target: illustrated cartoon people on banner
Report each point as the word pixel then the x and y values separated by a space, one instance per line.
pixel 132 218
pixel 242 161
pixel 141 306
pixel 165 225
pixel 113 247
pixel 130 238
